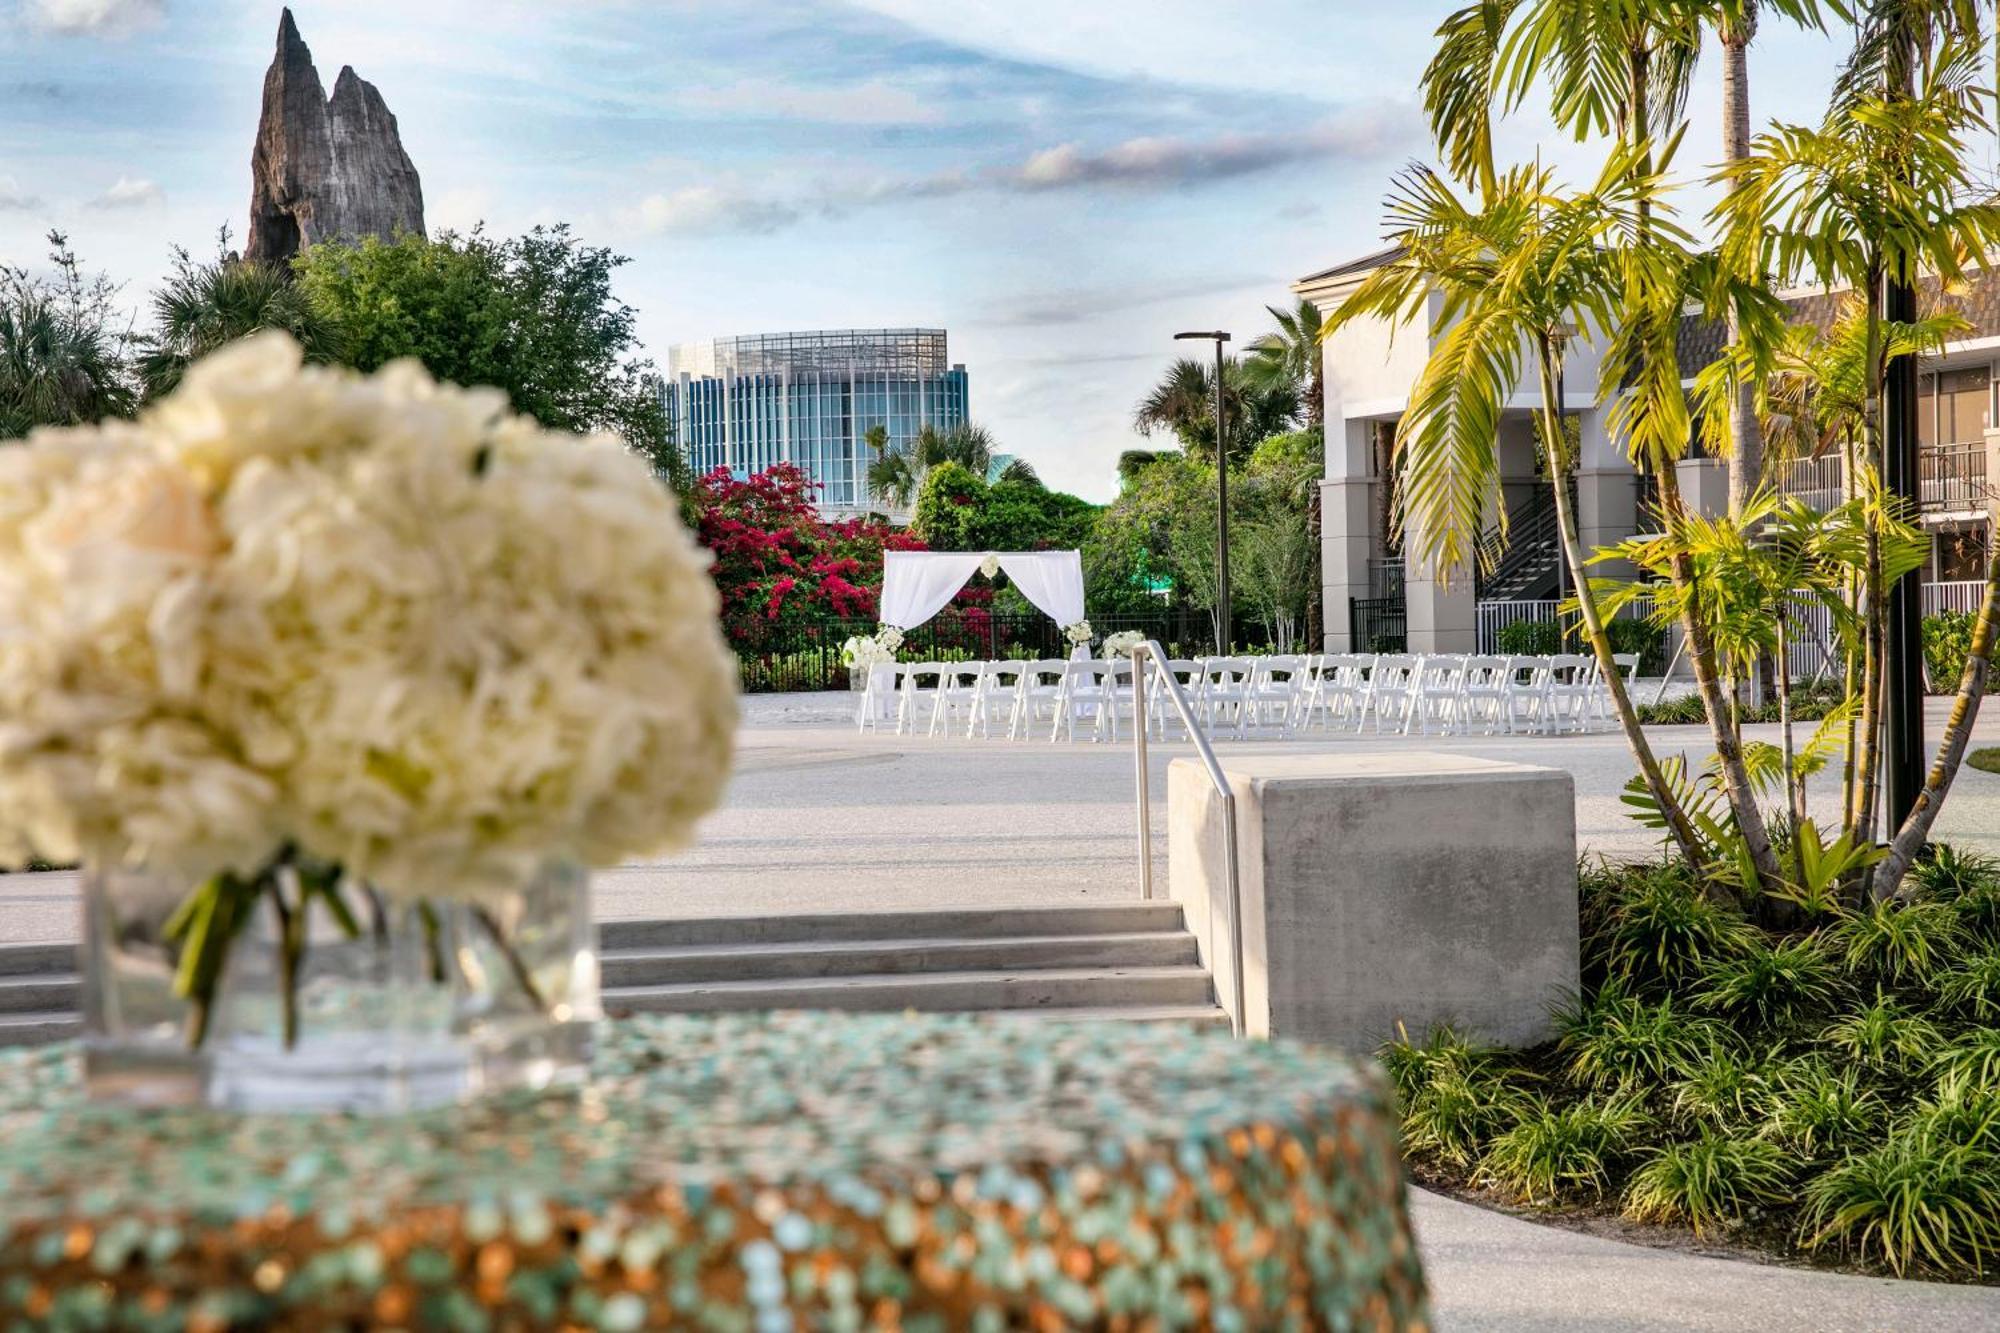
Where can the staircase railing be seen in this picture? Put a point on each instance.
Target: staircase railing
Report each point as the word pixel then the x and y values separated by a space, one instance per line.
pixel 1151 652
pixel 1532 539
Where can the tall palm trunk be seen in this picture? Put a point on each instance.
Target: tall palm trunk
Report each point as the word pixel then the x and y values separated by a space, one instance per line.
pixel 1673 513
pixel 1916 829
pixel 1746 440
pixel 1874 628
pixel 1678 826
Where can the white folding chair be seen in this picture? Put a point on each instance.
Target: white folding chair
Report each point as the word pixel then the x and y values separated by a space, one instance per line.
pixel 1086 695
pixel 1600 699
pixel 1225 691
pixel 1187 674
pixel 1391 690
pixel 958 683
pixel 1035 697
pixel 878 696
pixel 1569 691
pixel 1316 682
pixel 1527 695
pixel 922 683
pixel 1274 687
pixel 1351 688
pixel 1434 694
pixel 998 692
pixel 1482 694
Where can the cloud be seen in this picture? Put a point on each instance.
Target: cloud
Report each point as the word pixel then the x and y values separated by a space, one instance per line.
pixel 93 18
pixel 1148 163
pixel 129 193
pixel 708 208
pixel 875 102
pixel 14 199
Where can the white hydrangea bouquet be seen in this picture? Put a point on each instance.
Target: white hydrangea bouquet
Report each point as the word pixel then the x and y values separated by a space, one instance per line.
pixel 1080 634
pixel 864 651
pixel 297 633
pixel 1122 643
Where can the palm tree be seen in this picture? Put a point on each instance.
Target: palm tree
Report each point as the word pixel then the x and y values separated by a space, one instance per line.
pixel 1621 68
pixel 1291 360
pixel 203 306
pixel 56 367
pixel 1518 275
pixel 1183 403
pixel 1878 190
pixel 896 474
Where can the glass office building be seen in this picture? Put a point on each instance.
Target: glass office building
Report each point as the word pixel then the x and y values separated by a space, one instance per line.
pixel 810 398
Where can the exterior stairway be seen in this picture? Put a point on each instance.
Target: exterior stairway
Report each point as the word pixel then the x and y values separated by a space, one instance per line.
pixel 1525 563
pixel 1131 960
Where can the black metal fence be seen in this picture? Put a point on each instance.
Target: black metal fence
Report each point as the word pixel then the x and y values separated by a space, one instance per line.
pixel 1377 624
pixel 807 656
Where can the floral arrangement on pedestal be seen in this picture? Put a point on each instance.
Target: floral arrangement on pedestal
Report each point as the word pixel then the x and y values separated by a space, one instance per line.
pixel 1122 643
pixel 863 651
pixel 1080 634
pixel 375 650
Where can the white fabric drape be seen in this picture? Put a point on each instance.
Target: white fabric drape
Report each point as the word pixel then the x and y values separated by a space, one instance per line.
pixel 1052 580
pixel 917 584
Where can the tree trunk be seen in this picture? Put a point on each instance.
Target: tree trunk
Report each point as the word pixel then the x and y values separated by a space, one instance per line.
pixel 1916 830
pixel 1746 441
pixel 1678 825
pixel 1701 655
pixel 1868 760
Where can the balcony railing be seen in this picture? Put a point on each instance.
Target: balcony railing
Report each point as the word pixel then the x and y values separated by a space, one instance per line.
pixel 1951 478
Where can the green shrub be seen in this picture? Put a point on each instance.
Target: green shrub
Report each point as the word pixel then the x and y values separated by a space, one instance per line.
pixel 1822 1110
pixel 1724 1087
pixel 1973 987
pixel 1706 1181
pixel 1944 872
pixel 1530 638
pixel 1958 1118
pixel 1912 1202
pixel 1969 1066
pixel 1550 1150
pixel 1618 1039
pixel 1771 985
pixel 1885 1036
pixel 1662 930
pixel 1643 637
pixel 1453 1095
pixel 1903 945
pixel 1947 643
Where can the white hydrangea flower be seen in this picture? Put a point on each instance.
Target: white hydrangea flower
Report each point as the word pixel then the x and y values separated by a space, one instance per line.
pixel 379 617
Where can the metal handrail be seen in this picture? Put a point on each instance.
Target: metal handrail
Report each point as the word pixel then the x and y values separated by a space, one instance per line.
pixel 1140 653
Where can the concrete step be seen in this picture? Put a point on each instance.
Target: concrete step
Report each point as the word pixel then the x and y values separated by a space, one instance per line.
pixel 935 992
pixel 833 927
pixel 753 962
pixel 34 959
pixel 31 994
pixel 38 1029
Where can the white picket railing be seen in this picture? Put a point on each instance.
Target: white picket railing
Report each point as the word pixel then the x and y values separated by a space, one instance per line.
pixel 1813 651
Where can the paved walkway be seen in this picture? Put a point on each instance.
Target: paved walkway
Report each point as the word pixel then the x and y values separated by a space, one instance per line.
pixel 1490 1273
pixel 819 818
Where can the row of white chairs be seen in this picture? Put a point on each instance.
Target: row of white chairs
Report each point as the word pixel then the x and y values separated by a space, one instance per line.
pixel 1407 694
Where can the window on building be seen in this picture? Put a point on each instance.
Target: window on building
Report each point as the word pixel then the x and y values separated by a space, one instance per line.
pixel 1954 406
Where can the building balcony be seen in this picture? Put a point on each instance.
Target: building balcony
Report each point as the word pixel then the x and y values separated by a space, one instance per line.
pixel 1951 480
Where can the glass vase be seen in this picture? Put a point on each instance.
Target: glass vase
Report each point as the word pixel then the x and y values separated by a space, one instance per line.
pixel 338 1000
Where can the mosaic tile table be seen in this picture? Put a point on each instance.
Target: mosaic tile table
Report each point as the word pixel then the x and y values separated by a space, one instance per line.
pixel 807 1171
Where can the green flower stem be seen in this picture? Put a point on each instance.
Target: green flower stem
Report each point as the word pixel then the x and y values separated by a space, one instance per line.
pixel 515 963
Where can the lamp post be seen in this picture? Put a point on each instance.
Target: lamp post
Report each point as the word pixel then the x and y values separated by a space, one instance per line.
pixel 1224 626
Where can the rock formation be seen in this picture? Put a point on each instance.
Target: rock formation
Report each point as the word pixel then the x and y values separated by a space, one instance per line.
pixel 325 170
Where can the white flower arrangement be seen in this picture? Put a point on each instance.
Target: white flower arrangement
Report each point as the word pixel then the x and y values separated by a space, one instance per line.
pixel 379 622
pixel 1080 634
pixel 872 650
pixel 1122 643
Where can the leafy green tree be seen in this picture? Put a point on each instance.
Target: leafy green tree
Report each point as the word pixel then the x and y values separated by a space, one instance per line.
pixel 957 510
pixel 533 315
pixel 1183 404
pixel 1518 274
pixel 898 474
pixel 62 358
pixel 205 305
pixel 1291 361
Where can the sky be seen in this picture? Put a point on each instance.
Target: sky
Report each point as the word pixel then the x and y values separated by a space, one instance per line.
pixel 1061 184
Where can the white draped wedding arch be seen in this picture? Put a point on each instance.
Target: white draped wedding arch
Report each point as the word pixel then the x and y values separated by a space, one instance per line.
pixel 917 584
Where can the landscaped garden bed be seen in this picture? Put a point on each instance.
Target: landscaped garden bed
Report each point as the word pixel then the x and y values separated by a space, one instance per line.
pixel 1825 1089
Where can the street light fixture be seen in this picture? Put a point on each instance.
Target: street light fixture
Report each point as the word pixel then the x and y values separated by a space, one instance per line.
pixel 1225 627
